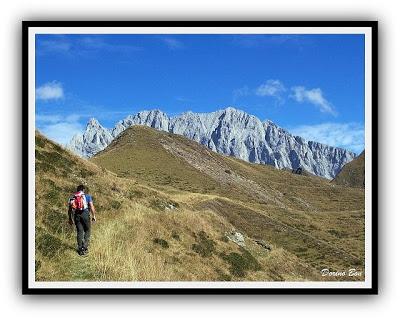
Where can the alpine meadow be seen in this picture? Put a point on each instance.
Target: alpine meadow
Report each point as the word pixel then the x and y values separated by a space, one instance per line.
pixel 173 210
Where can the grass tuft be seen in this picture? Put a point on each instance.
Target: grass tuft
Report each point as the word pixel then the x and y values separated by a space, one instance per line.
pixel 163 243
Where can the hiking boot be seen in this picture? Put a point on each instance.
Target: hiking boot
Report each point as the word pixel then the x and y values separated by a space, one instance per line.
pixel 81 251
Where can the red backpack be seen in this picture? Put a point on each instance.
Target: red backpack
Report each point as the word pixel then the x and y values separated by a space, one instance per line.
pixel 78 201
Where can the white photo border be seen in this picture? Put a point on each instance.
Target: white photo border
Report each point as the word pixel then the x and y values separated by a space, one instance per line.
pixel 32 28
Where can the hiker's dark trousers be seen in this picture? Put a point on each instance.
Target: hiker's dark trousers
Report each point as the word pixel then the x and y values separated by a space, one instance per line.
pixel 82 223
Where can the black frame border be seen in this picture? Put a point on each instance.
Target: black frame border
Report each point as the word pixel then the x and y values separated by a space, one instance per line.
pixel 373 25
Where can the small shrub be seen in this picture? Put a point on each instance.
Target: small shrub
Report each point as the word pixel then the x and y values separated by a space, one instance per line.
pixel 161 242
pixel 228 171
pixel 114 188
pixel 240 263
pixel 205 247
pixel 115 204
pixel 358 262
pixel 176 236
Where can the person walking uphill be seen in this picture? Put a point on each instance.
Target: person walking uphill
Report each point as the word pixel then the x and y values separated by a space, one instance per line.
pixel 80 205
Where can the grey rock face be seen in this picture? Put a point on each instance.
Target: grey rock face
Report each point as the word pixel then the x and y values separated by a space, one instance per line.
pixel 154 118
pixel 236 237
pixel 94 139
pixel 230 132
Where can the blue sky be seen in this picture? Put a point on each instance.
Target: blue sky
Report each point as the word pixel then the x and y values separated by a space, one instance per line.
pixel 312 85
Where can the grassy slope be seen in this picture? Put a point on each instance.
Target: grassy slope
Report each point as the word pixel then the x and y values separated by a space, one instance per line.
pixel 353 173
pixel 308 222
pixel 319 222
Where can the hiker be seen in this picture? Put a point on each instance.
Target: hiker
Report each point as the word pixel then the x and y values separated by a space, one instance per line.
pixel 79 205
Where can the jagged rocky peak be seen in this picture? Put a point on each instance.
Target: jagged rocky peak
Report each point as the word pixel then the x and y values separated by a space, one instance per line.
pixel 94 139
pixel 93 123
pixel 228 131
pixel 152 118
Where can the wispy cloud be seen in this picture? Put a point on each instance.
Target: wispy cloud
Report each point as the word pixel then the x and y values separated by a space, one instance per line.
pixel 58 44
pixel 62 132
pixel 173 44
pixel 59 128
pixel 50 91
pixel 276 89
pixel 83 46
pixel 47 118
pixel 240 92
pixel 314 96
pixel 270 88
pixel 345 135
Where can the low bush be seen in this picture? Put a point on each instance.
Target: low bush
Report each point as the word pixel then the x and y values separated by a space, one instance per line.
pixel 205 246
pixel 163 243
pixel 240 263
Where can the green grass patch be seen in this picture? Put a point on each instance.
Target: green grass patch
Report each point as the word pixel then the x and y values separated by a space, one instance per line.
pixel 241 263
pixel 49 245
pixel 116 205
pixel 56 222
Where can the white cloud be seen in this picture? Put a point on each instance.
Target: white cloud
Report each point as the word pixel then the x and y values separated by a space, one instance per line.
pixel 313 96
pixel 58 45
pixel 58 128
pixel 62 132
pixel 240 92
pixel 49 91
pixel 82 46
pixel 345 135
pixel 270 88
pixel 173 44
pixel 47 118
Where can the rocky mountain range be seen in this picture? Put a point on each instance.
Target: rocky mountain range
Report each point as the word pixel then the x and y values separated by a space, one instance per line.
pixel 230 132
